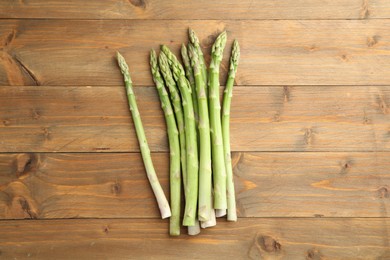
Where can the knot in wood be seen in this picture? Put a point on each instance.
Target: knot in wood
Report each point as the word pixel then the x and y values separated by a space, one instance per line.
pixel 313 254
pixel 383 192
pixel 138 3
pixel 269 244
pixel 23 163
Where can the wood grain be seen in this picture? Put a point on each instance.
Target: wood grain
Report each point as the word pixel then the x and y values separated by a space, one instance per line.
pixel 92 185
pixel 96 119
pixel 201 9
pixel 338 239
pixel 318 52
pixel 310 129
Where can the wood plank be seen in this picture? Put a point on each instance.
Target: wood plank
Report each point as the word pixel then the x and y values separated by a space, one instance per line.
pixel 338 239
pixel 91 185
pixel 96 119
pixel 201 9
pixel 317 52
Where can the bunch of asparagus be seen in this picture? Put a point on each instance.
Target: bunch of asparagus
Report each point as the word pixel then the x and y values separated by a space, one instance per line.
pixel 198 133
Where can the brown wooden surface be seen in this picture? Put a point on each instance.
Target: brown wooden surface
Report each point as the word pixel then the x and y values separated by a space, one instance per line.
pixel 200 9
pixel 287 52
pixel 74 119
pixel 112 185
pixel 310 129
pixel 283 238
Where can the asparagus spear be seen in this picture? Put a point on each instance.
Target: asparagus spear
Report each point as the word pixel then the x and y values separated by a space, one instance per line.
pixel 145 151
pixel 191 141
pixel 191 79
pixel 176 102
pixel 174 147
pixel 204 140
pixel 227 98
pixel 195 42
pixel 175 96
pixel 218 160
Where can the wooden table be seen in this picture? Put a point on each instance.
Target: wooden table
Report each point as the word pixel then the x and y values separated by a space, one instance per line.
pixel 310 129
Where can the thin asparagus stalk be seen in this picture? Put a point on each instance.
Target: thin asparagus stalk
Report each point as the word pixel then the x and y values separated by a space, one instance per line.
pixel 195 42
pixel 204 204
pixel 191 139
pixel 145 151
pixel 219 171
pixel 175 96
pixel 191 79
pixel 176 102
pixel 227 98
pixel 174 147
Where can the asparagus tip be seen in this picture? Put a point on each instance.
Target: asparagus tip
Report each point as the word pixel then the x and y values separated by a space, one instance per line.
pixel 235 54
pixel 168 53
pixel 120 58
pixel 164 65
pixel 191 49
pixel 162 60
pixel 123 66
pixel 153 55
pixel 236 49
pixel 184 52
pixel 222 37
pixel 153 64
pixel 194 57
pixel 219 46
pixel 192 35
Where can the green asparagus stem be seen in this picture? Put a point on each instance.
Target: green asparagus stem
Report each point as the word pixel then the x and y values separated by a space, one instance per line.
pixel 191 139
pixel 218 160
pixel 175 96
pixel 227 98
pixel 204 204
pixel 174 147
pixel 176 102
pixel 195 42
pixel 145 151
pixel 191 79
